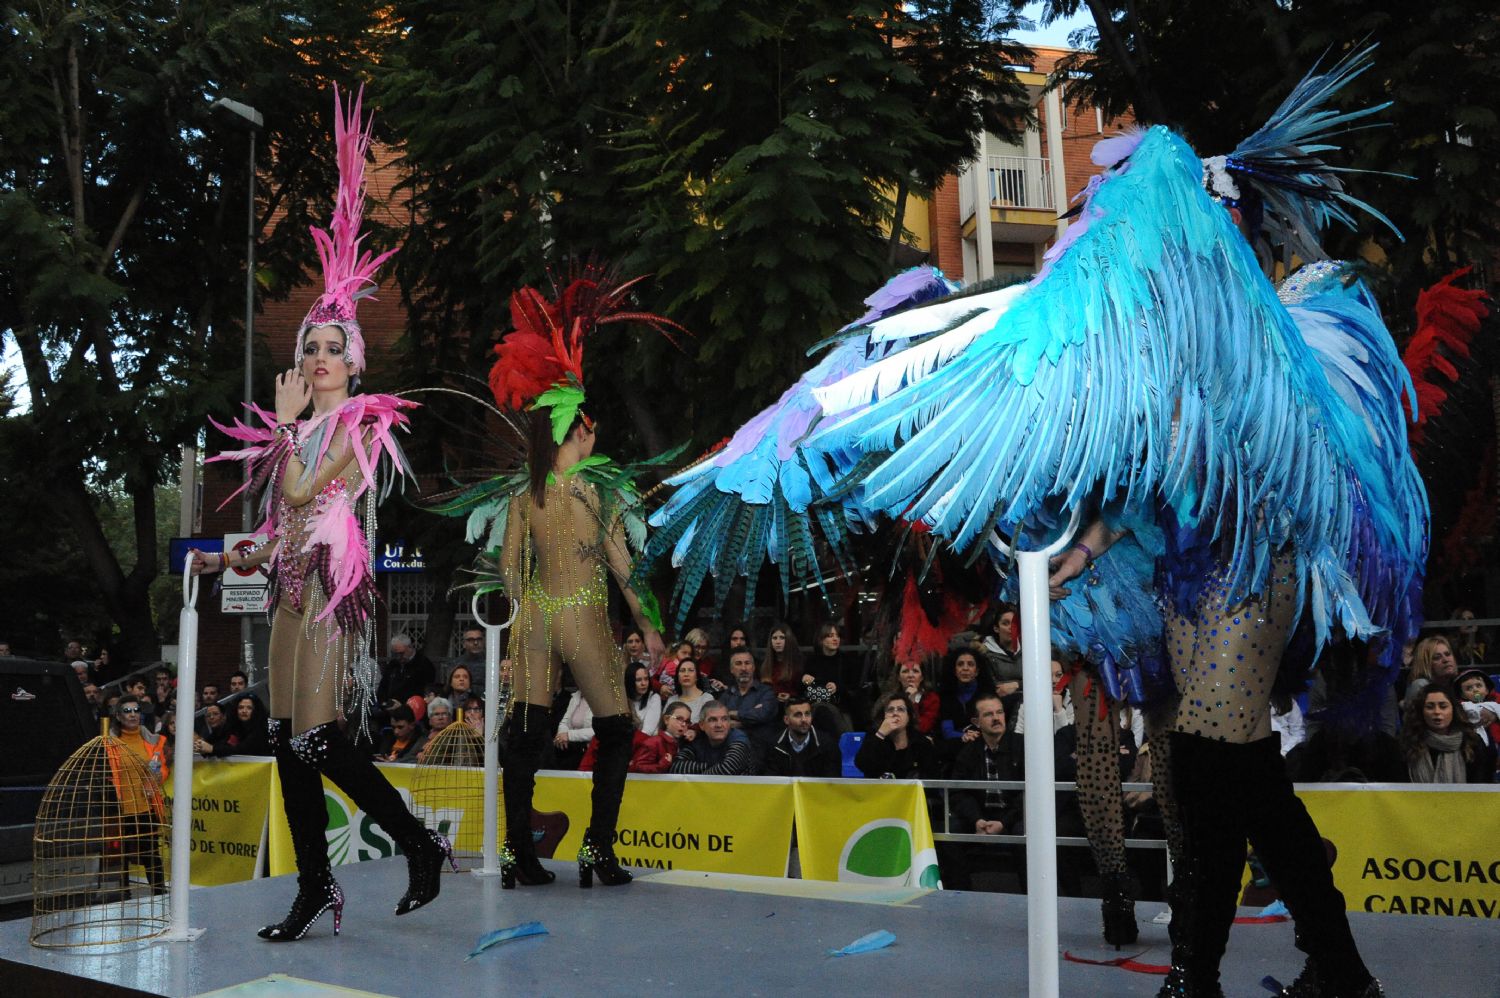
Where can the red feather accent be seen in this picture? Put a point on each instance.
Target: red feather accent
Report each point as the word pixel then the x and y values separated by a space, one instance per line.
pixel 1447 319
pixel 546 346
pixel 919 637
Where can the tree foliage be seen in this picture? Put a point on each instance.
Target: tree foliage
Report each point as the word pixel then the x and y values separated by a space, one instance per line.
pixel 1432 158
pixel 122 243
pixel 743 154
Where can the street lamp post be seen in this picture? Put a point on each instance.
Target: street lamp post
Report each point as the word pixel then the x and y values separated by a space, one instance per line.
pixel 251 119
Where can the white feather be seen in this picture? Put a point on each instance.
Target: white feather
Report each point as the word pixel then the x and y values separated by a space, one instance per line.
pixel 911 365
pixel 930 318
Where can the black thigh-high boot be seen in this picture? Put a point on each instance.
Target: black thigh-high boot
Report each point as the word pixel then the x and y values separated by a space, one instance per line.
pixel 307 817
pixel 527 733
pixel 1205 886
pixel 616 736
pixel 327 750
pixel 1287 841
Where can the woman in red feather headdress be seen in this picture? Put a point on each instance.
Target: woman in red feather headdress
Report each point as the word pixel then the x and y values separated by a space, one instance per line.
pixel 561 539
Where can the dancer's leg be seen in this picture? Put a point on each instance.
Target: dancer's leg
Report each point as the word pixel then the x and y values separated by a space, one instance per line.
pixel 1206 885
pixel 327 750
pixel 1223 671
pixel 301 786
pixel 1100 803
pixel 307 819
pixel 526 734
pixel 1289 846
pixel 590 652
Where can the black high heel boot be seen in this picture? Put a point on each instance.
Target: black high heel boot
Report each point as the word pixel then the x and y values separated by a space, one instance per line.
pixel 526 732
pixel 307 817
pixel 1291 850
pixel 616 735
pixel 1118 908
pixel 1205 889
pixel 326 749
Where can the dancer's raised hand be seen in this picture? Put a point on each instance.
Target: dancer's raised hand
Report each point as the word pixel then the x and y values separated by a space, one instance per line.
pixel 292 395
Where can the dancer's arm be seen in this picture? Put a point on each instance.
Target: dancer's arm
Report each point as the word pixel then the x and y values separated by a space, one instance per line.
pixel 297 487
pixel 207 564
pixel 617 554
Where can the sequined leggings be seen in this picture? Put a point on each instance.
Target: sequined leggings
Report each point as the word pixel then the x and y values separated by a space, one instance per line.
pixel 1224 659
pixel 1098 755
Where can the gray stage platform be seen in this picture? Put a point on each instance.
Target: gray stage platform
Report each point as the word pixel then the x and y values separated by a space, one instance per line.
pixel 691 934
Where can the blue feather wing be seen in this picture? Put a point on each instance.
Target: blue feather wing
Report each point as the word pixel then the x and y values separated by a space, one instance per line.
pixel 1154 306
pixel 766 494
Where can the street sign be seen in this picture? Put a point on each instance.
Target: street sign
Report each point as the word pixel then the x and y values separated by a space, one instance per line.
pixel 246 590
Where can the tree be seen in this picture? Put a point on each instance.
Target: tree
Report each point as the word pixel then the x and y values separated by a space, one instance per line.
pixel 1431 154
pixel 960 56
pixel 743 154
pixel 122 240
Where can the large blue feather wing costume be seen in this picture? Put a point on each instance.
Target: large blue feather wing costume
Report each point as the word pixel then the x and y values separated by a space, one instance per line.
pixel 766 494
pixel 1150 369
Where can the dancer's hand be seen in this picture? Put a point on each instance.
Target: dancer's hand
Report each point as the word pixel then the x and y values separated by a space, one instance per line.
pixel 203 564
pixel 561 741
pixel 292 395
pixel 1065 567
pixel 655 646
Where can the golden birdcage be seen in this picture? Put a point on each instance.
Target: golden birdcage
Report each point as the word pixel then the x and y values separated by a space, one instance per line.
pixel 447 790
pixel 100 854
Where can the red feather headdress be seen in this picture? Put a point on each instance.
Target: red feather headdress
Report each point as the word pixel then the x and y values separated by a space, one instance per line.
pixel 545 350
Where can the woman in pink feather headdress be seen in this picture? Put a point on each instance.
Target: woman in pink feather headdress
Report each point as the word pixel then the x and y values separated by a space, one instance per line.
pixel 321 476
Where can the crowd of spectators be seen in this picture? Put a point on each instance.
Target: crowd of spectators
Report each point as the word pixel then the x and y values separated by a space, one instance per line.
pixel 826 710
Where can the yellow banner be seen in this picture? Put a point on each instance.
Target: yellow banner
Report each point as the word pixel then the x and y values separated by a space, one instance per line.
pixel 353 836
pixel 865 832
pixel 714 824
pixel 230 800
pixel 1411 850
pixel 724 824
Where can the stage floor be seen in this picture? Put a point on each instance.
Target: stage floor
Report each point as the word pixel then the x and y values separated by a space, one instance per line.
pixel 688 933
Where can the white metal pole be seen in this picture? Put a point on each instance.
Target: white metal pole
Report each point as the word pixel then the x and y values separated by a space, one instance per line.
pixel 492 632
pixel 182 771
pixel 1041 793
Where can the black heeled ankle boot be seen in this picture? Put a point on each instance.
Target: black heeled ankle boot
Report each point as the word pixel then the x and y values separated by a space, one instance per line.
pixel 1118 909
pixel 616 735
pixel 1205 890
pixel 327 750
pixel 1310 984
pixel 526 733
pixel 307 817
pixel 1291 850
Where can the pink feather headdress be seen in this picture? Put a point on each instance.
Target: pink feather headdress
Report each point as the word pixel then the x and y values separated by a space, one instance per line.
pixel 348 272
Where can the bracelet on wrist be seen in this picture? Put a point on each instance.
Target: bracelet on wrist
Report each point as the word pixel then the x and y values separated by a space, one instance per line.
pixel 1088 552
pixel 223 560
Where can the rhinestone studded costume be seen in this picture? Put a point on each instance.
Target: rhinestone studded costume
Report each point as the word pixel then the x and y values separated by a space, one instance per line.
pixel 554 558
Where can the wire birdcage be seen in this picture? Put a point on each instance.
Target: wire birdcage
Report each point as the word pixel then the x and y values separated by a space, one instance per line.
pixel 100 854
pixel 447 790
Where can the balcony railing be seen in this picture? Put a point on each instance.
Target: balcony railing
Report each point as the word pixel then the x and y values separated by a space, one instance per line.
pixel 1014 182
